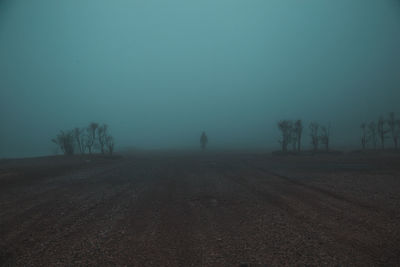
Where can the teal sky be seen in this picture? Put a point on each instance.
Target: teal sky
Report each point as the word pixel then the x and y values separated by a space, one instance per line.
pixel 161 72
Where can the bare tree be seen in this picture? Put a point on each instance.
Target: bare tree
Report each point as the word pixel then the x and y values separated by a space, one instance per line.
pixel 293 138
pixel 363 135
pixel 298 129
pixel 372 133
pixel 382 131
pixel 65 141
pixel 91 136
pixel 79 139
pixel 82 138
pixel 93 127
pixel 394 129
pixel 89 140
pixel 285 126
pixel 110 144
pixel 325 136
pixel 314 129
pixel 102 136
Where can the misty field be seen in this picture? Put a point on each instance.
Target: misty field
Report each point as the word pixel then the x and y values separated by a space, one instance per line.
pixel 200 209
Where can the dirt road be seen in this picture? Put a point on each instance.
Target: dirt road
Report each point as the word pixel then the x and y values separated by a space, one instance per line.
pixel 200 210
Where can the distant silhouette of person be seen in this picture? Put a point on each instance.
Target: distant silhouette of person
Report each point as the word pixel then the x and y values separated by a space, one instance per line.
pixel 203 140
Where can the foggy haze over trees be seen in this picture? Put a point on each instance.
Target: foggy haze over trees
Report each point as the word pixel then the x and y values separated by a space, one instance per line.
pixel 93 138
pixel 292 132
pixel 160 72
pixel 386 128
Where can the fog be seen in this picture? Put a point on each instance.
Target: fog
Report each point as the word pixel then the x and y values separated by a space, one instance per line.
pixel 160 72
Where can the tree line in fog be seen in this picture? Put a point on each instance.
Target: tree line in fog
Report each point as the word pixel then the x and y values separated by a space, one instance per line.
pixel 95 138
pixel 376 133
pixel 373 134
pixel 90 139
pixel 292 133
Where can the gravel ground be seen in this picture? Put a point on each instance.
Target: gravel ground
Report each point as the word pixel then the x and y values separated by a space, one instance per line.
pixel 200 209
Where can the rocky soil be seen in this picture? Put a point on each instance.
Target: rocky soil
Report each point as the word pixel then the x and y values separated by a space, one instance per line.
pixel 200 209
